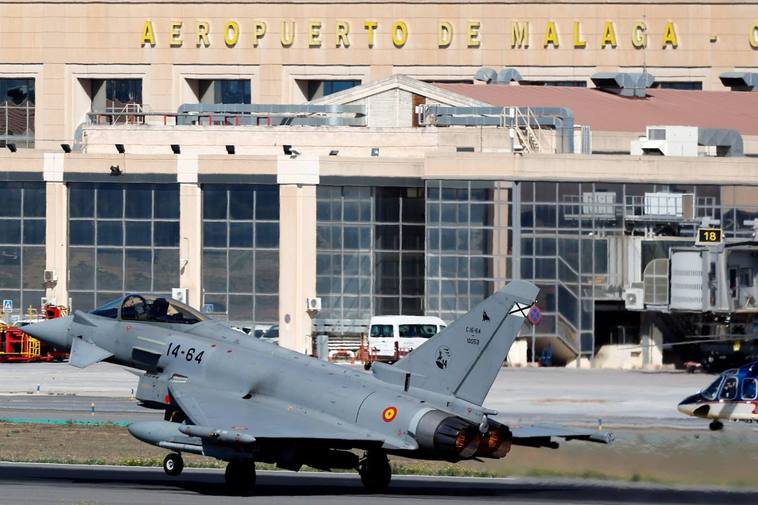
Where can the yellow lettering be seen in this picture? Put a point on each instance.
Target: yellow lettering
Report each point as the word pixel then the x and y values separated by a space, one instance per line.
pixel 175 34
pixel 314 32
pixel 370 26
pixel 399 33
pixel 473 34
pixel 343 30
pixel 148 34
pixel 201 34
pixel 444 34
pixel 287 36
pixel 551 35
pixel 639 35
pixel 231 33
pixel 259 30
pixel 669 35
pixel 609 35
pixel 520 34
pixel 753 37
pixel 579 43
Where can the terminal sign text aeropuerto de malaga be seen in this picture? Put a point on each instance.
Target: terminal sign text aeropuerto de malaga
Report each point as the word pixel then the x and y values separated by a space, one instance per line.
pixel 198 34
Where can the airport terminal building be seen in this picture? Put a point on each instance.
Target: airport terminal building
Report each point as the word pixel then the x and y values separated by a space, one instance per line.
pixel 311 164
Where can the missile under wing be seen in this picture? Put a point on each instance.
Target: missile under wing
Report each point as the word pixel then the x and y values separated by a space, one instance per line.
pixel 229 396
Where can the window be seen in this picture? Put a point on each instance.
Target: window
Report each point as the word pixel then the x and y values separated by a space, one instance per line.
pixel 313 89
pixel 729 390
pixel 122 238
pixel 223 91
pixel 417 330
pixel 22 243
pixel 241 252
pixel 711 391
pixel 370 253
pixel 687 85
pixel 749 389
pixel 465 244
pixel 17 112
pixel 569 84
pixel 158 310
pixel 115 95
pixel 381 331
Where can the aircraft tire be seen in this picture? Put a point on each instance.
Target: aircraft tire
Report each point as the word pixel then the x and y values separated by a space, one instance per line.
pixel 240 477
pixel 173 464
pixel 375 472
pixel 716 425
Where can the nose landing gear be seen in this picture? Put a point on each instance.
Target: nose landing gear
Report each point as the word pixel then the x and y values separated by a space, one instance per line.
pixel 173 464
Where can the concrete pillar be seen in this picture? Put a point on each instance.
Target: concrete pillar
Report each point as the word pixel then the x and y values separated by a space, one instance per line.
pixel 190 242
pixel 651 340
pixel 56 227
pixel 56 241
pixel 297 180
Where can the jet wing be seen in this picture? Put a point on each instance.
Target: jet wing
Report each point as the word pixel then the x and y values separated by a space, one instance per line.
pixel 261 416
pixel 542 435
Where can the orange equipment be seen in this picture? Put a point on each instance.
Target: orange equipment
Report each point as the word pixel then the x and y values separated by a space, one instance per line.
pixel 18 347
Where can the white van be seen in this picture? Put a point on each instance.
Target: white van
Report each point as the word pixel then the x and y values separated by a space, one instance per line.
pixel 391 337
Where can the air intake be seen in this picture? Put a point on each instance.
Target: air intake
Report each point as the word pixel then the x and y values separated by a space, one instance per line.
pixel 631 85
pixel 740 81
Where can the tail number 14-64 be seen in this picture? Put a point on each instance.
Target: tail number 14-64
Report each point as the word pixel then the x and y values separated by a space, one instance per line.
pixel 190 354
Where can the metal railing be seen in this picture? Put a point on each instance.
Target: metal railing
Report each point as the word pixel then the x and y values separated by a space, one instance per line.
pixel 237 115
pixel 17 124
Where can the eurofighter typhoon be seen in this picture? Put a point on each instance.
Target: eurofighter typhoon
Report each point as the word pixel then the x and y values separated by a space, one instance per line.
pixel 231 397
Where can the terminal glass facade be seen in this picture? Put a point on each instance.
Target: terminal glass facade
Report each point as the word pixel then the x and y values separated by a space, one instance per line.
pixel 466 244
pixel 22 244
pixel 573 239
pixel 370 252
pixel 122 238
pixel 241 252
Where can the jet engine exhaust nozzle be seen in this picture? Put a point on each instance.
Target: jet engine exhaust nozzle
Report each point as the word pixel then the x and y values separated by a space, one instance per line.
pixel 447 436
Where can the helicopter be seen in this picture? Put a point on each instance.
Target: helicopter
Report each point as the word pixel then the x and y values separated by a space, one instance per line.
pixel 733 396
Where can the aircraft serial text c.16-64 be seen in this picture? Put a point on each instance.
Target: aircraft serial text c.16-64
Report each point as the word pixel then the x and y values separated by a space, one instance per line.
pixel 241 400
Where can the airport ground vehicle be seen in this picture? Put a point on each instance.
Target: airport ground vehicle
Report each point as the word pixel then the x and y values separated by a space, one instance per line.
pixel 392 337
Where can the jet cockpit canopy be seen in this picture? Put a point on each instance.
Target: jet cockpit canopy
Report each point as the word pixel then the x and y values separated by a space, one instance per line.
pixel 150 309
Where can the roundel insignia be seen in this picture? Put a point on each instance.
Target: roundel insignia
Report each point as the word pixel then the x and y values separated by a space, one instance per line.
pixel 389 414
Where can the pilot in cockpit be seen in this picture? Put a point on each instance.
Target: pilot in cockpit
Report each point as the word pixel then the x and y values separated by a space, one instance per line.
pixel 159 310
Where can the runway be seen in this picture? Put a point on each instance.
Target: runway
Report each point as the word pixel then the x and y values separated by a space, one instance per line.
pixel 34 484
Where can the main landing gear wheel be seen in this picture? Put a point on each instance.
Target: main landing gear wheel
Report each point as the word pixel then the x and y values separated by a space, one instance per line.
pixel 716 425
pixel 375 471
pixel 240 477
pixel 173 464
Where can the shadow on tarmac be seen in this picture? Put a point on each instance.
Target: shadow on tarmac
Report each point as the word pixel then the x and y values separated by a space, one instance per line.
pixel 274 484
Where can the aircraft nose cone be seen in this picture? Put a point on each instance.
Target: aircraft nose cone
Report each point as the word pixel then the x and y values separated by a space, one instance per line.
pixel 53 331
pixel 688 405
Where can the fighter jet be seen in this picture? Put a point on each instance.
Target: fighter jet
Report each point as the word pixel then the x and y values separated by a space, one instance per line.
pixel 228 396
pixel 733 396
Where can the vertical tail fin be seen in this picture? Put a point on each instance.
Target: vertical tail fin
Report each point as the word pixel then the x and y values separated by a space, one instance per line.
pixel 463 359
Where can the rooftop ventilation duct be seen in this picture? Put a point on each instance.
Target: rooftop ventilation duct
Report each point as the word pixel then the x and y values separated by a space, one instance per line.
pixel 623 83
pixel 486 75
pixel 740 81
pixel 507 75
pixel 504 76
pixel 728 142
